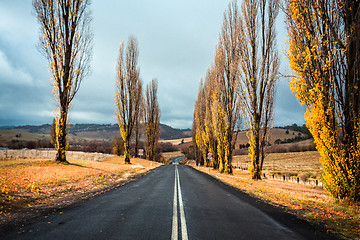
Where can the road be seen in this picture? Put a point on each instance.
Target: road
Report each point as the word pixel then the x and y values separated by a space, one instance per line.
pixel 171 202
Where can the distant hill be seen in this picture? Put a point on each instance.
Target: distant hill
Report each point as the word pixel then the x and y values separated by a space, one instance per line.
pixel 100 131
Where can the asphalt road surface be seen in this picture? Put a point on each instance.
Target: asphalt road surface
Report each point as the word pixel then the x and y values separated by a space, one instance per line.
pixel 171 202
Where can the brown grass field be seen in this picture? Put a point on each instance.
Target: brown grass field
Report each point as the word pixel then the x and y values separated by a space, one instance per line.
pixel 275 133
pixel 177 141
pixel 307 202
pixel 34 183
pixel 296 164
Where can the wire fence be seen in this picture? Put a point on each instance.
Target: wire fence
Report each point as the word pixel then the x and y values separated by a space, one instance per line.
pixel 285 178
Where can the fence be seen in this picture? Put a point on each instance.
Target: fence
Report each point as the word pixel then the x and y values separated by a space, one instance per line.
pixel 311 182
pixel 51 154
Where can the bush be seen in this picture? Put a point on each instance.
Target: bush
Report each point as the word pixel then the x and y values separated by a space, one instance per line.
pixel 118 146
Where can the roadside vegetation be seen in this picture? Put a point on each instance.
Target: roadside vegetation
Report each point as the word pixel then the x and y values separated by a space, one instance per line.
pixel 323 53
pixel 42 183
pixel 239 87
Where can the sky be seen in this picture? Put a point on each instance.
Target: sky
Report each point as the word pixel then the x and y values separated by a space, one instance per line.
pixel 177 41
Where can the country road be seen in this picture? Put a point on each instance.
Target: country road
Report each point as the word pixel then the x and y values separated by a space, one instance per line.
pixel 171 202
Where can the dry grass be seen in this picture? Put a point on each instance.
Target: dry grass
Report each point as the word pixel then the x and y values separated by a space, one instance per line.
pixel 295 164
pixel 7 135
pixel 28 182
pixel 310 203
pixel 178 141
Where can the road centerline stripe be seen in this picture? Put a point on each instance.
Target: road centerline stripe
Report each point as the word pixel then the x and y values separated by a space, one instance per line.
pixel 174 233
pixel 184 234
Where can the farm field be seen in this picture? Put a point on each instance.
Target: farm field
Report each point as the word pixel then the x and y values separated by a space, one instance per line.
pixel 177 141
pixel 292 164
pixel 30 184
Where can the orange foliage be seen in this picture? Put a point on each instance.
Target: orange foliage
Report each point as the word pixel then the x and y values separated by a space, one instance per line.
pixel 322 52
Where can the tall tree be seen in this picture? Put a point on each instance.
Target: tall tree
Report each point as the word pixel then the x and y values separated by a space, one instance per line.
pixel 140 112
pixel 66 42
pixel 227 72
pixel 324 52
pixel 200 131
pixel 152 119
pixel 259 63
pixel 210 137
pixel 128 87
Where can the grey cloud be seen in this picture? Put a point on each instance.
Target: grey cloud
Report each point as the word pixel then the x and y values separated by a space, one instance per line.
pixel 177 42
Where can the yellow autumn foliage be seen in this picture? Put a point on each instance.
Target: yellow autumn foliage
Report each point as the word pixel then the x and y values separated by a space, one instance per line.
pixel 322 53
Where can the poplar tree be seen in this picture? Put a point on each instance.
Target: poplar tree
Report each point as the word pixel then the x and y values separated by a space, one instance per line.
pixel 324 53
pixel 259 63
pixel 128 92
pixel 152 119
pixel 66 42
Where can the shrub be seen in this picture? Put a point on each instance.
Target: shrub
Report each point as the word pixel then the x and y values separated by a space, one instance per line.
pixel 118 146
pixel 167 147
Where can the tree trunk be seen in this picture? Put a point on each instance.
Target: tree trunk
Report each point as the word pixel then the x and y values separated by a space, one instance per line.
pixel 255 161
pixel 127 150
pixel 61 138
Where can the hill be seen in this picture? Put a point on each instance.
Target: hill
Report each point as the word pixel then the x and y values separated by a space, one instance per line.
pixel 102 132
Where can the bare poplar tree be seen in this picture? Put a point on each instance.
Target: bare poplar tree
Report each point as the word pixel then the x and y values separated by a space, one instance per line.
pixel 259 63
pixel 127 97
pixel 227 71
pixel 66 42
pixel 139 110
pixel 152 119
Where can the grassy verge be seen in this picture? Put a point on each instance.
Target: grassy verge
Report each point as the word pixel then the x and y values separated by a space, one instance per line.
pixel 31 183
pixel 306 202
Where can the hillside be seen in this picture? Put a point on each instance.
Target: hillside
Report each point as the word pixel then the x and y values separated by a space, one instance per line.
pixel 275 133
pixel 102 132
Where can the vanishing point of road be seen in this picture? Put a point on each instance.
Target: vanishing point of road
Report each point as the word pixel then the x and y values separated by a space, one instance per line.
pixel 171 202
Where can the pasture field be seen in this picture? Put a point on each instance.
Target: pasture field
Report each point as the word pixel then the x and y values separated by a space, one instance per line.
pixel 292 164
pixel 177 141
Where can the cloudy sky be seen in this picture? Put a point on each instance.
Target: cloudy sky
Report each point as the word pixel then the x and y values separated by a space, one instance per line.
pixel 176 39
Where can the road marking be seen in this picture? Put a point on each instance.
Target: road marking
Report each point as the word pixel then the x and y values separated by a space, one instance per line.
pixel 174 233
pixel 182 213
pixel 178 195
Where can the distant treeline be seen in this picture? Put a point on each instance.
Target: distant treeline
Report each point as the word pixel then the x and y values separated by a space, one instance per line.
pixel 303 129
